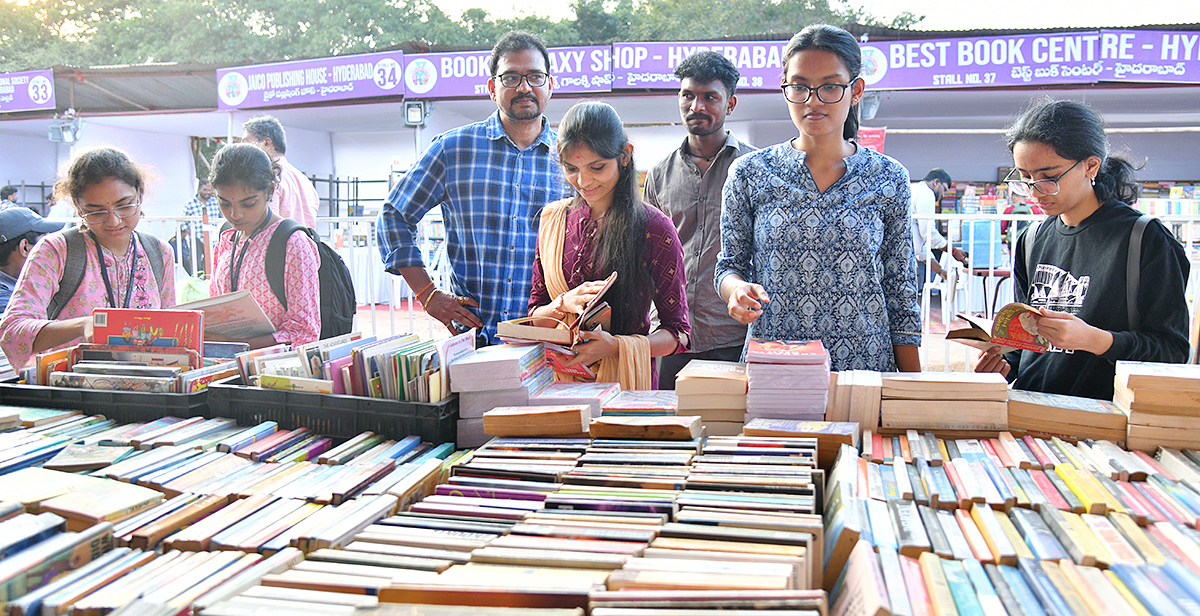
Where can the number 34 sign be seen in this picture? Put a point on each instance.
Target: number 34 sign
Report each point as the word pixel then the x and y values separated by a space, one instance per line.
pixel 26 91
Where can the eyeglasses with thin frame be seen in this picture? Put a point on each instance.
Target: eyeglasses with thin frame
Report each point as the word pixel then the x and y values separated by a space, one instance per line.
pixel 828 93
pixel 128 210
pixel 1046 186
pixel 513 80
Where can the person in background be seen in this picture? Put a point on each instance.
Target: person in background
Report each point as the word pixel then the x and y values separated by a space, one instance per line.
pixel 815 235
pixel 107 189
pixel 295 196
pixel 927 240
pixel 1011 229
pixel 244 178
pixel 606 228
pixel 491 180
pixel 204 205
pixel 20 229
pixel 686 185
pixel 1076 271
pixel 8 197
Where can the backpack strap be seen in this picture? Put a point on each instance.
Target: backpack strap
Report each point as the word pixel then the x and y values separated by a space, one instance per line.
pixel 153 250
pixel 72 275
pixel 1030 236
pixel 76 264
pixel 277 256
pixel 1133 269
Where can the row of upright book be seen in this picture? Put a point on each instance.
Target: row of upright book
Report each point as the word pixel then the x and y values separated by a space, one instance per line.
pixel 919 524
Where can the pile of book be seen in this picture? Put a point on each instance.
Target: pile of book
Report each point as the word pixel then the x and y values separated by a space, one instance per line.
pixel 715 391
pixel 495 376
pixel 595 395
pixel 649 518
pixel 830 435
pixel 643 402
pixel 855 396
pixel 1069 417
pixel 965 401
pixel 922 524
pixel 786 379
pixel 1162 402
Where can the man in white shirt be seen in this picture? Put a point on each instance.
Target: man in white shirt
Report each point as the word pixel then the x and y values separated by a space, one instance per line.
pixel 926 237
pixel 295 197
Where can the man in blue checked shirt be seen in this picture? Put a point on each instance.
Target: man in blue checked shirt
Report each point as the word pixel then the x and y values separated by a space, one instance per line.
pixel 491 179
pixel 205 202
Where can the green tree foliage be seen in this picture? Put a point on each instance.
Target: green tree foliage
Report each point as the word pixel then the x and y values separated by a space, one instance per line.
pixel 43 33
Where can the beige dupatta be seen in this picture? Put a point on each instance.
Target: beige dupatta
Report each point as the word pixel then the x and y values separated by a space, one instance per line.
pixel 631 366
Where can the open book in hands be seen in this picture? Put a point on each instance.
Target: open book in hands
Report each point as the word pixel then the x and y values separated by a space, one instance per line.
pixel 234 315
pixel 561 339
pixel 1015 327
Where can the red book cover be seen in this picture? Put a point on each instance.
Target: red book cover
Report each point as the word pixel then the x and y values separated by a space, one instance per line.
pixel 786 351
pixel 149 328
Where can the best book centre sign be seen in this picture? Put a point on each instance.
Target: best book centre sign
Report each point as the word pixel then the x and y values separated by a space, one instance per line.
pixel 1020 60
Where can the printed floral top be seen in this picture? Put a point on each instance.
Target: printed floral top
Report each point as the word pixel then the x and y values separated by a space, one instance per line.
pixel 300 322
pixel 43 271
pixel 838 265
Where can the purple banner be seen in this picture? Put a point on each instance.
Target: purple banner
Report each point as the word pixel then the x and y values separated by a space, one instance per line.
pixel 652 65
pixel 26 91
pixel 1037 59
pixel 1155 56
pixel 465 73
pixel 310 81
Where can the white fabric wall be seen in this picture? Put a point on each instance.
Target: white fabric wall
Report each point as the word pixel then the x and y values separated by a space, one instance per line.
pixel 167 159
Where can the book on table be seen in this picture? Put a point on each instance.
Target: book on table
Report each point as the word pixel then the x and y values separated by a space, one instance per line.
pixel 1014 328
pixel 149 328
pixel 561 339
pixel 233 315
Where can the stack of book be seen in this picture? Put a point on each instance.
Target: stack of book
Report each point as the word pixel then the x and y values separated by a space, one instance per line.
pixel 494 376
pixel 855 396
pixel 944 401
pixel 1162 402
pixel 716 392
pixel 1070 417
pixel 786 379
pixel 595 395
pixel 830 435
pixel 644 402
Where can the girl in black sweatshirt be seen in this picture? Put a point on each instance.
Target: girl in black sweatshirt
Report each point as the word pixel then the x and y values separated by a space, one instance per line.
pixel 1076 273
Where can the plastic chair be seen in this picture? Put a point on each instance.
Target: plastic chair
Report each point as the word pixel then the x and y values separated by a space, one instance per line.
pixel 947 290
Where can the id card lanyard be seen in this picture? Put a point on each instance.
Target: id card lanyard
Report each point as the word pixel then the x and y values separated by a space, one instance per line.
pixel 112 299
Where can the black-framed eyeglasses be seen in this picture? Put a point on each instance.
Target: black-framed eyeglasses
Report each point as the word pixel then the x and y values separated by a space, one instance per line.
pixel 128 210
pixel 828 93
pixel 513 80
pixel 1046 186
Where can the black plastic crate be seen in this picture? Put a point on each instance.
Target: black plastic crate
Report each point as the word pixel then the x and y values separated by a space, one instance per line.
pixel 121 406
pixel 335 415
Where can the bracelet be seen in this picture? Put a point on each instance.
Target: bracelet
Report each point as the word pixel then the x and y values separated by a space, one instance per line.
pixel 422 291
pixel 428 297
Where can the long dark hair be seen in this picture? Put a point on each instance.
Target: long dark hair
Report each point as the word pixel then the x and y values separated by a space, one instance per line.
pixel 1076 132
pixel 836 41
pixel 246 164
pixel 621 241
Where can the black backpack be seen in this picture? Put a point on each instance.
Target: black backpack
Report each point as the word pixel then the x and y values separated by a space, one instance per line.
pixel 337 288
pixel 337 306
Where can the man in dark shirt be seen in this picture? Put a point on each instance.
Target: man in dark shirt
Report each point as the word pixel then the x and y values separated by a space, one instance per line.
pixel 687 187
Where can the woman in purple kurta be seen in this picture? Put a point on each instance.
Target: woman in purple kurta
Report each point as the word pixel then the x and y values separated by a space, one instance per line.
pixel 607 228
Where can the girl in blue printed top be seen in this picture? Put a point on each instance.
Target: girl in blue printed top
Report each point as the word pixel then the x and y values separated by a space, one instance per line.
pixel 815 237
pixel 1076 275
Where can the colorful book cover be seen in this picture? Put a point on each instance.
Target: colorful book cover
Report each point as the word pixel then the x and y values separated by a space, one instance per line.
pixel 143 328
pixel 786 351
pixel 296 383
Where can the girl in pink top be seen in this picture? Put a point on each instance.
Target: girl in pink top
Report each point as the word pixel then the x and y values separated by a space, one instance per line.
pixel 245 178
pixel 106 187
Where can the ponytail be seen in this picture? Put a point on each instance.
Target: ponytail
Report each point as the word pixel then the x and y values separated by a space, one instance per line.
pixel 1115 182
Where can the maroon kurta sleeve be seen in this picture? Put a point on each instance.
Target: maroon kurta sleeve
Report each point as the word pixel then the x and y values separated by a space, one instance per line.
pixel 664 254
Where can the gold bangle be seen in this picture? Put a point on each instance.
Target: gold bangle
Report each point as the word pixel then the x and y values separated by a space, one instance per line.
pixel 422 291
pixel 425 302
